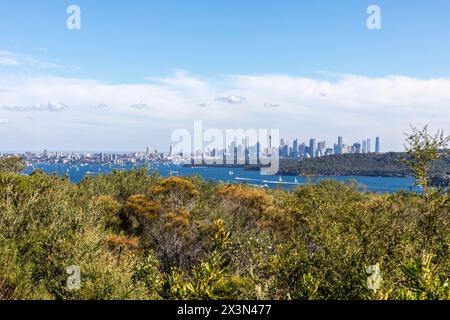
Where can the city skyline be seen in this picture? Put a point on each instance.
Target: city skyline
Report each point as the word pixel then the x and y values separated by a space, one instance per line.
pixel 285 149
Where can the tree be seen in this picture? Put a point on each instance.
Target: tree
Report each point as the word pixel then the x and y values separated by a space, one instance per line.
pixel 211 279
pixel 12 164
pixel 422 150
pixel 423 282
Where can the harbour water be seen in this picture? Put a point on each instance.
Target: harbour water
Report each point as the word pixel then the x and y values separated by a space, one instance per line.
pixel 234 175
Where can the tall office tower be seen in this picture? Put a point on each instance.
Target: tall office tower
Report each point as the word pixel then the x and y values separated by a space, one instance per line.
pixel 258 151
pixel 312 147
pixel 147 151
pixel 340 145
pixel 369 148
pixel 377 145
pixel 357 147
pixel 302 150
pixel 364 146
pixel 294 151
pixel 269 151
pixel 285 151
pixel 247 155
pixel 321 146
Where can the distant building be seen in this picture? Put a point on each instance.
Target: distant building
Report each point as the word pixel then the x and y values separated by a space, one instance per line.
pixel 312 147
pixel 294 151
pixel 377 145
pixel 357 147
pixel 340 145
pixel 302 150
pixel 321 146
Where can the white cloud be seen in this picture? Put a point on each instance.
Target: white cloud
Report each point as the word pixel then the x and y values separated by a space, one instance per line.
pixel 7 59
pixel 232 99
pixel 354 106
pixel 139 105
pixel 11 59
pixel 51 105
pixel 271 105
pixel 4 121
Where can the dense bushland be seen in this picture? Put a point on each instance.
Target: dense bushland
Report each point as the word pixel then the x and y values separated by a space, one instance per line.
pixel 136 235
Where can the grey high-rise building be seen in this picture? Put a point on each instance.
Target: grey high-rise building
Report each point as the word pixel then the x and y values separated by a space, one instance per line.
pixel 258 151
pixel 377 145
pixel 357 147
pixel 340 145
pixel 294 152
pixel 321 145
pixel 302 149
pixel 364 146
pixel 369 148
pixel 312 147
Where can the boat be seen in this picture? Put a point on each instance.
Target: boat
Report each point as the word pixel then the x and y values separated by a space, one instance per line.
pixel 279 179
pixel 295 180
pixel 231 173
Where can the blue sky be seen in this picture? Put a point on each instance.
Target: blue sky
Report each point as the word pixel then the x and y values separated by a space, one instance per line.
pixel 197 51
pixel 127 42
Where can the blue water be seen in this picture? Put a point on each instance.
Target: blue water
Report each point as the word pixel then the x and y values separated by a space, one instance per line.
pixel 237 175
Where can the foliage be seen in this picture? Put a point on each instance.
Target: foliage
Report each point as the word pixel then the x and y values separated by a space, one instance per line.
pixel 210 279
pixel 141 236
pixel 422 282
pixel 423 149
pixel 11 164
pixel 391 164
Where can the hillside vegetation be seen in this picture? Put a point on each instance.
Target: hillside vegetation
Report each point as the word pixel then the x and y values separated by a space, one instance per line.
pixel 140 236
pixel 385 165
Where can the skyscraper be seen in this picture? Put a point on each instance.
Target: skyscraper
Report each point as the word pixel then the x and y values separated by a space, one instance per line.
pixel 302 150
pixel 369 148
pixel 258 151
pixel 357 147
pixel 321 146
pixel 269 151
pixel 312 147
pixel 294 152
pixel 377 145
pixel 340 145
